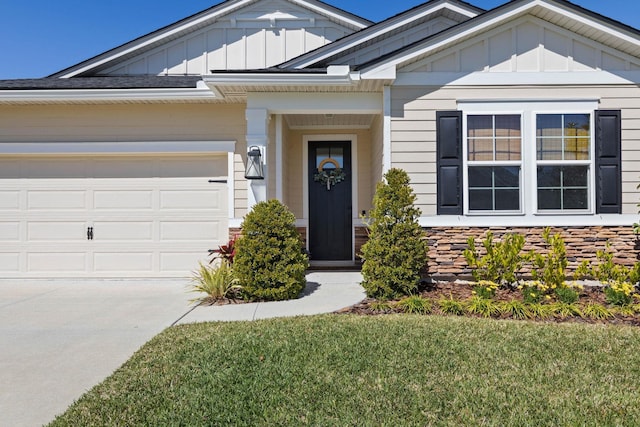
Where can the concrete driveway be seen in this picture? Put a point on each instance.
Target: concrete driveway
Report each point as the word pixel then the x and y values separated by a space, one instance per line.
pixel 60 338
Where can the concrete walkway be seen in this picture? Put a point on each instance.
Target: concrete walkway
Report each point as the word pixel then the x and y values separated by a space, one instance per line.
pixel 59 338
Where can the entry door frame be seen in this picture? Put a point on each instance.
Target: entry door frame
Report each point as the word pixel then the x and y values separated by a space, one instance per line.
pixel 353 138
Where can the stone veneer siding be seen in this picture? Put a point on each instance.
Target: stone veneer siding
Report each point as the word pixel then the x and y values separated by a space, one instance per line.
pixel 446 245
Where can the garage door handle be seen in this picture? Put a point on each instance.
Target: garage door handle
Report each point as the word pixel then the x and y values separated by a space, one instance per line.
pixel 89 233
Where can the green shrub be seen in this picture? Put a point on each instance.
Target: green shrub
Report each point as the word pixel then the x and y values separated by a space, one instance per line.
pixel 540 311
pixel 516 309
pixel 396 250
pixel 216 282
pixel 414 304
pixel 533 291
pixel 597 311
pixel 482 306
pixel 501 261
pixel 451 306
pixel 269 262
pixel 484 288
pixel 550 268
pixel 606 270
pixel 567 293
pixel 619 293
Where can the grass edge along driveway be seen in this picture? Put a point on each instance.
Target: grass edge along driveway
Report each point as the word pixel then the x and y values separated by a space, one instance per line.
pixel 374 370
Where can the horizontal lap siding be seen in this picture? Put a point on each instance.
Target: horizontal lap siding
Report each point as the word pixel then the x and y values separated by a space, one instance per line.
pixel 413 129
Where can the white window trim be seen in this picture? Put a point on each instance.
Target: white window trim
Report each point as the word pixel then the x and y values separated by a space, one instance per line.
pixel 528 177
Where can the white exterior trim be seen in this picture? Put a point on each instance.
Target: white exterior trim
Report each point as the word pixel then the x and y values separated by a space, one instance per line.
pixel 319 103
pixel 279 159
pixel 82 95
pixel 117 147
pixel 386 130
pixel 483 78
pixel 528 221
pixel 354 181
pixel 231 186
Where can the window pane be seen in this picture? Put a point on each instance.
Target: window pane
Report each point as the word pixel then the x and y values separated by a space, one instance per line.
pixel 494 188
pixel 508 149
pixel 480 177
pixel 548 176
pixel 549 148
pixel 507 200
pixel 575 199
pixel 480 126
pixel 549 199
pixel 480 149
pixel 576 124
pixel 508 126
pixel 480 200
pixel 574 176
pixel 507 176
pixel 549 125
pixel 576 148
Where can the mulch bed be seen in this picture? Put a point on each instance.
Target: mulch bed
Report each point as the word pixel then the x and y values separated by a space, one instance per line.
pixel 463 292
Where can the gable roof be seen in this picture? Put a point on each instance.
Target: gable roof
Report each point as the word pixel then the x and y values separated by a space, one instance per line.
pixel 193 23
pixel 323 55
pixel 558 12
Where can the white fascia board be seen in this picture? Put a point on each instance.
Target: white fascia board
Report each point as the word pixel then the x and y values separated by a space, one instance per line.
pixel 317 103
pixel 117 147
pixel 340 46
pixel 156 36
pixel 325 12
pixel 488 21
pixel 333 77
pixel 77 95
pixel 528 220
pixel 482 78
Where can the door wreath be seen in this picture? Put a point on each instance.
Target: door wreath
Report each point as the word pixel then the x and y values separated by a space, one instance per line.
pixel 329 177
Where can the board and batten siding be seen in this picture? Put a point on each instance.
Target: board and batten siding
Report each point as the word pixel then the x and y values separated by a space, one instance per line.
pixel 256 37
pixel 413 129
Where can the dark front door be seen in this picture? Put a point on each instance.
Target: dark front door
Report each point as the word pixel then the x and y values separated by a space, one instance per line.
pixel 330 200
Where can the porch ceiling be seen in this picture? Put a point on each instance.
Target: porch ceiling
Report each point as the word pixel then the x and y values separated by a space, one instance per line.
pixel 329 121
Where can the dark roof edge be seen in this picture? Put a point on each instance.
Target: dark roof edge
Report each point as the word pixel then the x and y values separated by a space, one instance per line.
pixel 110 82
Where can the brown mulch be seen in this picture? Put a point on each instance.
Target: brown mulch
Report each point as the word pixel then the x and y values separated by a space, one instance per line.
pixel 463 292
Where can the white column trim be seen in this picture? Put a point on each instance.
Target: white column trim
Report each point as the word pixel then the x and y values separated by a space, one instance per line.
pixel 386 131
pixel 231 185
pixel 279 159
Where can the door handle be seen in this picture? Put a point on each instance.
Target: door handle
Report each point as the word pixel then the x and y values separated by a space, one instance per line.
pixel 89 233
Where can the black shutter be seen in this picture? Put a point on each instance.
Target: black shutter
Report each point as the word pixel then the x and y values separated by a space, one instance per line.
pixel 608 161
pixel 449 164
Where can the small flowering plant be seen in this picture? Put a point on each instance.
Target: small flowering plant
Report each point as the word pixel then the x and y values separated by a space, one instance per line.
pixel 619 293
pixel 568 292
pixel 534 291
pixel 484 288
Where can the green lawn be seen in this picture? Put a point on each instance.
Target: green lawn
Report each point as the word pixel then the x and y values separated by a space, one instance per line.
pixel 339 370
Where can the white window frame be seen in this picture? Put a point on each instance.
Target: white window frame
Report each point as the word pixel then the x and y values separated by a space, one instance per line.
pixel 489 163
pixel 528 110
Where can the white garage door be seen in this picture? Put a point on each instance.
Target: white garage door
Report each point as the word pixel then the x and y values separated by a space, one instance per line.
pixel 151 216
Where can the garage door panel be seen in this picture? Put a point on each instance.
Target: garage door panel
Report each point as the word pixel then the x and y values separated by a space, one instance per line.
pixel 124 262
pixel 190 231
pixel 9 200
pixel 64 262
pixel 10 262
pixel 57 231
pixel 152 216
pixel 123 199
pixel 10 231
pixel 209 199
pixel 135 231
pixel 56 200
pixel 181 261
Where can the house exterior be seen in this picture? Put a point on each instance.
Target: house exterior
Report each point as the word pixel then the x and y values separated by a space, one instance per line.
pixel 132 163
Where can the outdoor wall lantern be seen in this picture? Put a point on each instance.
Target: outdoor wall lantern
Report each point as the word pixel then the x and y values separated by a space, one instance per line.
pixel 254 164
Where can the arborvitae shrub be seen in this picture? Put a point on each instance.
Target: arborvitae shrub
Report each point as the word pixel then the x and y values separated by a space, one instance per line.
pixel 269 263
pixel 396 250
